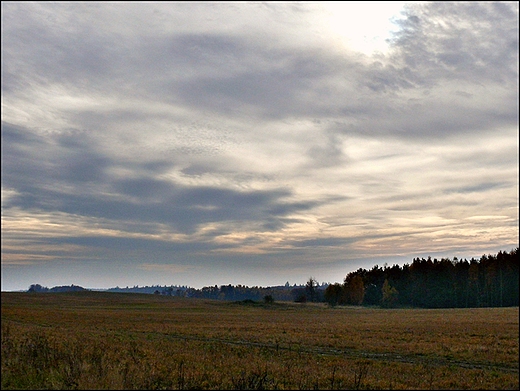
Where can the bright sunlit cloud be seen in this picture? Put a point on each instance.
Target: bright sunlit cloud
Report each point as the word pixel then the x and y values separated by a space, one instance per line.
pixel 363 26
pixel 203 143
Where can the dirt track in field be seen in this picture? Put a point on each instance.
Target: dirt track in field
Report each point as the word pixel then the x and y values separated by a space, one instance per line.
pixel 357 354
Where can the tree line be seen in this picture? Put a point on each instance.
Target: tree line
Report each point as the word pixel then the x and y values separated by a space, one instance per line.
pixel 298 293
pixel 491 281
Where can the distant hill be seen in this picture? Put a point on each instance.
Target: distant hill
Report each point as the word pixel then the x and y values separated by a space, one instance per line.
pixel 65 288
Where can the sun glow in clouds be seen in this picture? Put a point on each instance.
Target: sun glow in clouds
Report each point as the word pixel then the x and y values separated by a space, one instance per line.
pixel 363 26
pixel 253 143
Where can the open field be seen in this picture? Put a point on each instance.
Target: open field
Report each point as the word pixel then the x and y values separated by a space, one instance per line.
pixel 101 340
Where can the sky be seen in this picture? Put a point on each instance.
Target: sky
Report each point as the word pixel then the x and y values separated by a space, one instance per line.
pixel 215 143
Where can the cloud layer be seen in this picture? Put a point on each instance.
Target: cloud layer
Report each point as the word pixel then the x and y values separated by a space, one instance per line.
pixel 210 143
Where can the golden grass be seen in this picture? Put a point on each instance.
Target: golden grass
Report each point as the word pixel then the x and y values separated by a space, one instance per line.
pixel 101 340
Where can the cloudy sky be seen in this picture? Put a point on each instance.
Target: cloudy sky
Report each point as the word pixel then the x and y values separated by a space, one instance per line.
pixel 253 143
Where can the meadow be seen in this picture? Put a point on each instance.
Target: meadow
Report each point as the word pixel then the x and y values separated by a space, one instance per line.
pixel 99 340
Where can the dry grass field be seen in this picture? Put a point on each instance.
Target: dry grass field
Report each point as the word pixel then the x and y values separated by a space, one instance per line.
pixel 95 340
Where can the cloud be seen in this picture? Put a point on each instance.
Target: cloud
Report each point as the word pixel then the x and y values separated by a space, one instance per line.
pixel 248 131
pixel 81 181
pixel 463 41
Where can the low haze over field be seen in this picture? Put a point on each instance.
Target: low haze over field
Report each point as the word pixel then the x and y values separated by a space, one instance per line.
pixel 253 143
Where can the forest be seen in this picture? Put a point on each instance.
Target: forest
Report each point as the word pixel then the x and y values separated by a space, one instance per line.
pixel 491 281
